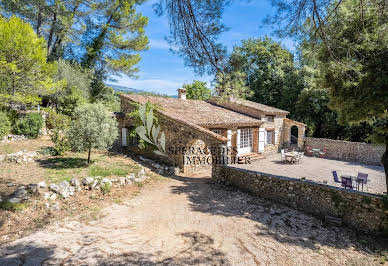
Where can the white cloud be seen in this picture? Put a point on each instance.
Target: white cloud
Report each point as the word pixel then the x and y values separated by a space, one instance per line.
pixel 159 44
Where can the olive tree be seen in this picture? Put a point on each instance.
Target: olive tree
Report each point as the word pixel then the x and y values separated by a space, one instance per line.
pixel 92 127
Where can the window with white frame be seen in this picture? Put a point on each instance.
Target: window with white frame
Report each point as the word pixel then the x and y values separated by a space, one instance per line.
pixel 270 137
pixel 245 138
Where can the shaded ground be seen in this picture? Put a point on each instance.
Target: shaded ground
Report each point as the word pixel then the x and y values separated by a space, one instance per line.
pixel 86 204
pixel 188 220
pixel 319 170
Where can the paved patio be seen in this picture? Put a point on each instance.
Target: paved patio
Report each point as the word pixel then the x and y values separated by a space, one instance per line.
pixel 319 170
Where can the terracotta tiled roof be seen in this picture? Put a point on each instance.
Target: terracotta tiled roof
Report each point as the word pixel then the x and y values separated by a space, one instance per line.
pixel 261 107
pixel 197 112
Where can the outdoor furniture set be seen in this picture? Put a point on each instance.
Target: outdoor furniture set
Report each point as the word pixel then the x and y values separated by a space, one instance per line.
pixel 291 156
pixel 315 152
pixel 352 182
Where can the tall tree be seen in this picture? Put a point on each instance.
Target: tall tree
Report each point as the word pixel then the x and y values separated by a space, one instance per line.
pixel 270 72
pixel 354 56
pixel 197 90
pixel 58 21
pixel 114 39
pixel 24 73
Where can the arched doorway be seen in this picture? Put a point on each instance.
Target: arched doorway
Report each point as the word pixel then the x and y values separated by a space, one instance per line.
pixel 294 135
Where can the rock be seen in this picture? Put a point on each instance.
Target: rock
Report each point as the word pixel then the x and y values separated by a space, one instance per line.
pixel 114 180
pixel 87 181
pixel 64 184
pixel 33 188
pixel 46 195
pixel 94 184
pixel 10 185
pixel 54 187
pixel 75 182
pixel 53 196
pixel 141 172
pixel 141 158
pixel 14 200
pixel 42 184
pixel 122 180
pixel 2 157
pixel 105 181
pixel 20 192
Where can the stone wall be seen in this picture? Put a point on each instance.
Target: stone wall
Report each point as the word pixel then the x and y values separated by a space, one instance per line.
pixel 348 151
pixel 358 210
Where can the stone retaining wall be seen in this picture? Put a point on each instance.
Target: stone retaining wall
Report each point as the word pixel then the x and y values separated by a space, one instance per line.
pixel 348 151
pixel 358 210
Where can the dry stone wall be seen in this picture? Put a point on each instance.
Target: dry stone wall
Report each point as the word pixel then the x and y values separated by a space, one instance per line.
pixel 348 151
pixel 359 210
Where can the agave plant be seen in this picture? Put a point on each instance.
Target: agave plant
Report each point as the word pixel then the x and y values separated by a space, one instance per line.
pixel 150 132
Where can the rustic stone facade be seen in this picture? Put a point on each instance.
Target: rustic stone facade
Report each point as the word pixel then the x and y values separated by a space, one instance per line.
pixel 348 151
pixel 179 135
pixel 361 211
pixel 243 128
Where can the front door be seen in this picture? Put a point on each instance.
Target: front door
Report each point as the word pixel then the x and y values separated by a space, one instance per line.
pixel 245 140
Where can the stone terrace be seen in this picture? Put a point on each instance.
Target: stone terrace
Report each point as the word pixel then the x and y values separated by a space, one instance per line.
pixel 319 170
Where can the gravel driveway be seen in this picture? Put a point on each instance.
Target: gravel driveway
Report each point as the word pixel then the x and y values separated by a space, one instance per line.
pixel 188 220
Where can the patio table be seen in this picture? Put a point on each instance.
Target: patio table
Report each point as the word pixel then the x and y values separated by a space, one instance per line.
pixel 316 152
pixel 353 178
pixel 291 155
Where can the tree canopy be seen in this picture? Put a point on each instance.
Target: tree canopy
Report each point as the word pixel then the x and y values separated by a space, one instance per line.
pixel 92 127
pixel 25 74
pixel 197 90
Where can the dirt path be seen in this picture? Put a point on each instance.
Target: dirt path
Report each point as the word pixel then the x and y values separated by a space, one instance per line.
pixel 189 221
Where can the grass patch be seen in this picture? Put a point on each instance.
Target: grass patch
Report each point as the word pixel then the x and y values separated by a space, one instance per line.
pixel 104 171
pixel 6 205
pixel 118 201
pixel 63 163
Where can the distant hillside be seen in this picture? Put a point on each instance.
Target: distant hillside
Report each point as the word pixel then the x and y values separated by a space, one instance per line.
pixel 123 89
pixel 118 88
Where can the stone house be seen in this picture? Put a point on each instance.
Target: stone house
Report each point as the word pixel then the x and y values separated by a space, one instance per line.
pixel 240 129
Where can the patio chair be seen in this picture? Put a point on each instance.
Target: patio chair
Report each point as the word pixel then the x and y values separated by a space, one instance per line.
pixel 336 177
pixel 322 153
pixel 362 179
pixel 300 156
pixel 283 155
pixel 309 151
pixel 346 182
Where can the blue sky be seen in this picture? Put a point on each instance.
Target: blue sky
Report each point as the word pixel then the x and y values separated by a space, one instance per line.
pixel 164 72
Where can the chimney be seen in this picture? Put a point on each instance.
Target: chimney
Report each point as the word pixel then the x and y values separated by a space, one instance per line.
pixel 181 93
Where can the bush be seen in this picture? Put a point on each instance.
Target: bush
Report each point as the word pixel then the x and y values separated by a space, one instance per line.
pixel 59 124
pixel 30 125
pixel 5 125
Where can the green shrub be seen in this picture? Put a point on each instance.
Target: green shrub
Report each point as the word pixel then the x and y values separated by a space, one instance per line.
pixel 59 124
pixel 5 125
pixel 106 188
pixel 30 125
pixel 6 205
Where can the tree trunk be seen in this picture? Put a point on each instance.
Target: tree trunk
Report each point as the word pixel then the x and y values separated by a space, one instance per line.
pixel 384 161
pixel 89 151
pixel 52 30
